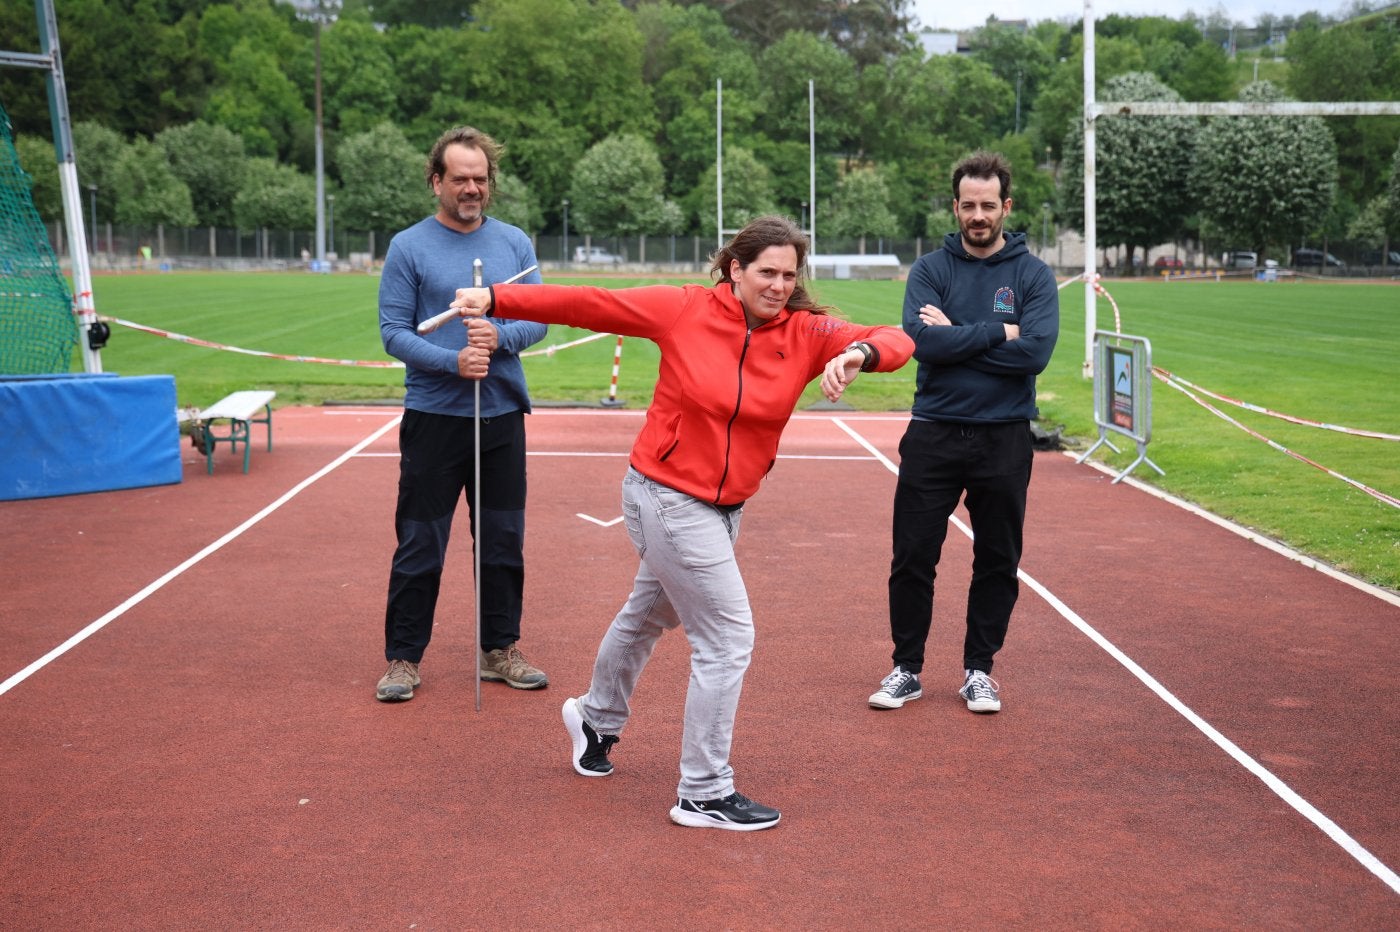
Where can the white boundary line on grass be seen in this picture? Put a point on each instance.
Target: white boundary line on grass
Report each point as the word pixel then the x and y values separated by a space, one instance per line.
pixel 160 583
pixel 1304 808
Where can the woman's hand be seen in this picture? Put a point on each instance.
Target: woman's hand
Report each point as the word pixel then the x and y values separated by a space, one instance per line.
pixel 472 302
pixel 841 372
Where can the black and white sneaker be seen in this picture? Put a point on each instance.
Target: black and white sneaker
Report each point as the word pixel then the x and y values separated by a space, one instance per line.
pixel 980 691
pixel 735 812
pixel 896 689
pixel 590 756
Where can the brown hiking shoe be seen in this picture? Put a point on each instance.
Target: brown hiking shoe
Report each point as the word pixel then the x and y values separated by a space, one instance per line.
pixel 396 685
pixel 508 665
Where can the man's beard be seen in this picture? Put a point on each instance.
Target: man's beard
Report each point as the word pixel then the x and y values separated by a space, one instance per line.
pixel 986 236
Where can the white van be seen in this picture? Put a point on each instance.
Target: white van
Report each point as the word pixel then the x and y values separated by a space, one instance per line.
pixel 596 255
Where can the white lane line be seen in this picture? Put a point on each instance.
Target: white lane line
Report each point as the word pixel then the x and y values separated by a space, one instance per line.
pixel 160 583
pixel 1304 808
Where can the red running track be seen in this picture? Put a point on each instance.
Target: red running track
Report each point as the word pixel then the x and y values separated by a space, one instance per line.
pixel 1197 731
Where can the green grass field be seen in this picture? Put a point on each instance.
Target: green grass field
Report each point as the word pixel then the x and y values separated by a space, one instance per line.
pixel 1328 352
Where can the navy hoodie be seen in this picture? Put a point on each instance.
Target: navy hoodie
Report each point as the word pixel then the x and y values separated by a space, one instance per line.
pixel 970 372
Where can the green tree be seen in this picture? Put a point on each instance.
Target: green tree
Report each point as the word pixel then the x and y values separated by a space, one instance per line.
pixel 1351 62
pixel 1060 106
pixel 359 88
pixel 209 159
pixel 275 197
pixel 1019 59
pixel 433 14
pixel 866 30
pixel 588 55
pixel 1204 74
pixel 1265 180
pixel 748 192
pixel 39 162
pixel 383 187
pixel 96 152
pixel 1390 214
pixel 1143 169
pixel 618 188
pixel 860 207
pixel 251 47
pixel 512 203
pixel 148 193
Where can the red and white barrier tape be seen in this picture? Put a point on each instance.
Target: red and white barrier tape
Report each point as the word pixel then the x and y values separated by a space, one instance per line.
pixel 367 363
pixel 195 341
pixel 1380 496
pixel 551 350
pixel 1169 377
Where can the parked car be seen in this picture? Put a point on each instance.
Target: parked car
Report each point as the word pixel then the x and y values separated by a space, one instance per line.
pixel 1167 262
pixel 1241 259
pixel 595 255
pixel 1373 257
pixel 1317 257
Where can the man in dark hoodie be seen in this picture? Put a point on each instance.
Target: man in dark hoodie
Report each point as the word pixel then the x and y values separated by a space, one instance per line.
pixel 984 314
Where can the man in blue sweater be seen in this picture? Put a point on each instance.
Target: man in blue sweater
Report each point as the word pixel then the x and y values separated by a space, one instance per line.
pixel 425 265
pixel 984 314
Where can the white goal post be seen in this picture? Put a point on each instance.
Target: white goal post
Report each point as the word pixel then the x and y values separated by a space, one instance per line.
pixel 1093 110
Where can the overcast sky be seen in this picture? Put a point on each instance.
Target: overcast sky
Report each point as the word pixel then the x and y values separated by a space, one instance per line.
pixel 944 14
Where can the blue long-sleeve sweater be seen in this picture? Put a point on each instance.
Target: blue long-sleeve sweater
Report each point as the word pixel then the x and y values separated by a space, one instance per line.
pixel 425 266
pixel 970 372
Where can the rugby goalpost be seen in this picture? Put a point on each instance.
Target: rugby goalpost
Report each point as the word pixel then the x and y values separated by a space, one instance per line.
pixel 1093 110
pixel 50 61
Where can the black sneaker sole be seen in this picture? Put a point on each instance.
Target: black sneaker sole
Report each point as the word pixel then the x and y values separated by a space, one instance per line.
pixel 394 697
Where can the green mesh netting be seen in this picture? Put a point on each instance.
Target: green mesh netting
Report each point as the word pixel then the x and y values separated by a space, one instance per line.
pixel 37 327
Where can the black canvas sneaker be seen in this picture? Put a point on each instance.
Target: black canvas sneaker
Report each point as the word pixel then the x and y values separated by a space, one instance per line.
pixel 735 812
pixel 896 689
pixel 980 691
pixel 590 756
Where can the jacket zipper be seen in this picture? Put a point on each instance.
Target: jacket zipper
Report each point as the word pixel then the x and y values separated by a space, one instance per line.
pixel 729 428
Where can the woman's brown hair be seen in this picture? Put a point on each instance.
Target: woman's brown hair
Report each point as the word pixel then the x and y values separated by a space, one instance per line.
pixel 749 243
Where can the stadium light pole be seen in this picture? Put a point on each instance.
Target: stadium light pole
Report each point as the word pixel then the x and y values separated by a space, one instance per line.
pixel 320 12
pixel 565 257
pixel 330 214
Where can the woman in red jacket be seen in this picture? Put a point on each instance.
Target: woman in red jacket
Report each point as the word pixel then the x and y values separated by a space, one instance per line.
pixel 734 361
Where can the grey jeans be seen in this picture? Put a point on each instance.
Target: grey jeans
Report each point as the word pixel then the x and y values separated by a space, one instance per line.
pixel 687 576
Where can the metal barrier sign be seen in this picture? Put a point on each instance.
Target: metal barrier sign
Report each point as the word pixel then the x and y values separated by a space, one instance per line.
pixel 1123 394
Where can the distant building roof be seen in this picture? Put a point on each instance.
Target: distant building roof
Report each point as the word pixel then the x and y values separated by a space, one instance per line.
pixel 942 43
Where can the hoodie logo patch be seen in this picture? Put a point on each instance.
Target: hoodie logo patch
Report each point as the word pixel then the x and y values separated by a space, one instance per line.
pixel 1005 301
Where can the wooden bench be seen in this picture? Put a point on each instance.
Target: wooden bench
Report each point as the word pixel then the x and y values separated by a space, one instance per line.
pixel 240 410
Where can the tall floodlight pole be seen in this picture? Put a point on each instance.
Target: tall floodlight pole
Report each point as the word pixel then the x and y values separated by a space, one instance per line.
pixel 321 12
pixel 320 159
pixel 811 169
pixel 719 163
pixel 1090 233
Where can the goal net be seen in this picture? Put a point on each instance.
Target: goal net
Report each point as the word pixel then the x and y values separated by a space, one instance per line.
pixel 38 329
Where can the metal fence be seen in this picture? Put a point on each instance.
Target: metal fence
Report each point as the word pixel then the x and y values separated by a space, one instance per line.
pixel 117 247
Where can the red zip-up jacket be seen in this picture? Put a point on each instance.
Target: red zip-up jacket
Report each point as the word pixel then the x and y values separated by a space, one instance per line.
pixel 724 392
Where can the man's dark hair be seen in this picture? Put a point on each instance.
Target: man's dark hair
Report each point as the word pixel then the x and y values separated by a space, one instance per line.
pixel 983 164
pixel 467 136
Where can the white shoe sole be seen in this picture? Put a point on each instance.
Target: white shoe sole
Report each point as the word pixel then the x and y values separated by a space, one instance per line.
pixel 881 701
pixel 983 705
pixel 573 723
pixel 700 820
